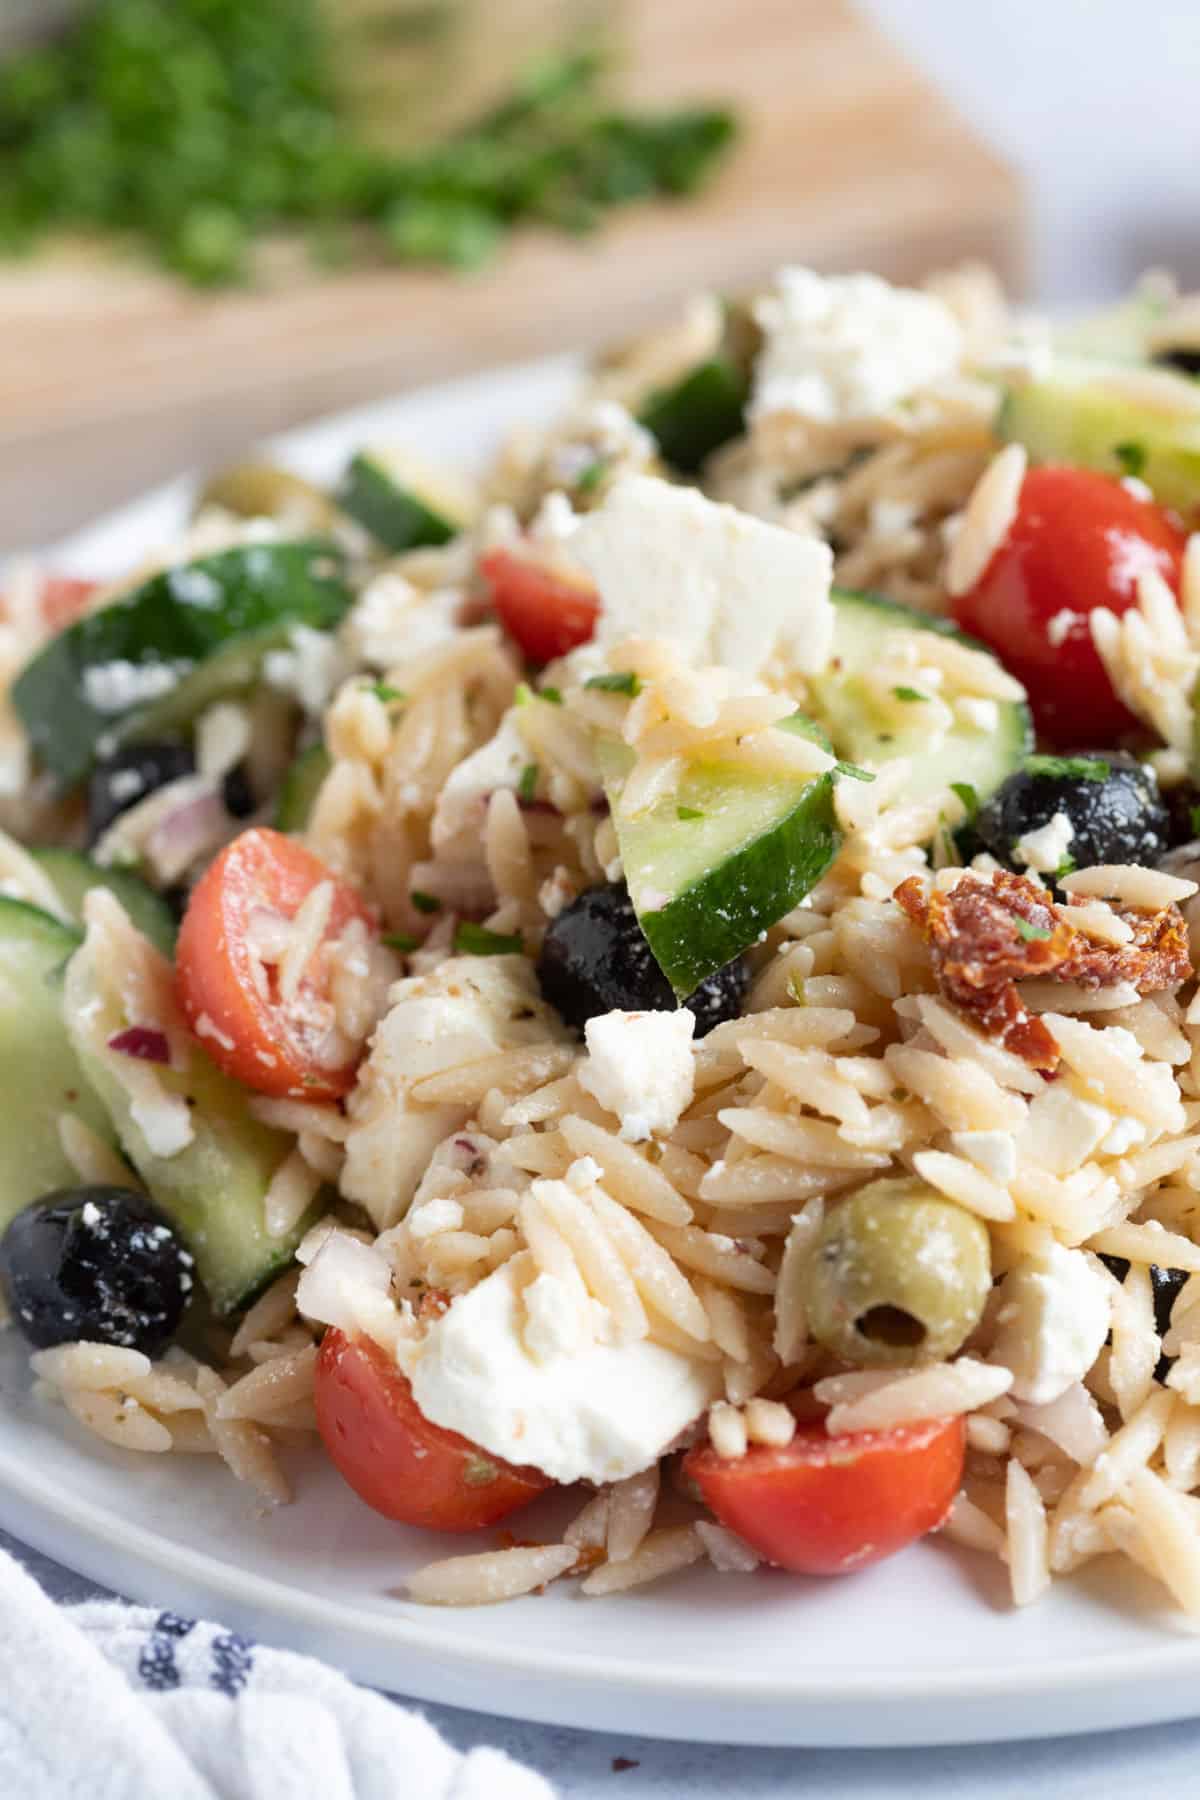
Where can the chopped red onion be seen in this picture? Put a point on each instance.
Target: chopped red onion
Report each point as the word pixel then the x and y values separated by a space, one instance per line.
pixel 145 1042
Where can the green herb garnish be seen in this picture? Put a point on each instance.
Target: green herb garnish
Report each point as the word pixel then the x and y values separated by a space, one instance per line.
pixel 968 796
pixel 1031 933
pixel 624 682
pixel 853 771
pixel 477 940
pixel 551 695
pixel 1065 867
pixel 191 128
pixel 383 692
pixel 399 940
pixel 1079 768
pixel 522 694
pixel 593 475
pixel 1131 456
pixel 527 786
pixel 688 812
pixel 910 694
pixel 426 903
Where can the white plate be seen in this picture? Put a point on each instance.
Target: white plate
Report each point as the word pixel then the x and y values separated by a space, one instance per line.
pixel 921 1650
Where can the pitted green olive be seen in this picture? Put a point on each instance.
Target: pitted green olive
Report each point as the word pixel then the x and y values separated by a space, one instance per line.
pixel 899 1275
pixel 255 490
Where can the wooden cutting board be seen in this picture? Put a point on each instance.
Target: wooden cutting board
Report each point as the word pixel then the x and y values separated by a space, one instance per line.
pixel 113 377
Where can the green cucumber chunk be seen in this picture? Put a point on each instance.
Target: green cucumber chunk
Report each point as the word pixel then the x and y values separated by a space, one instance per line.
pixel 1118 333
pixel 72 874
pixel 698 413
pixel 300 788
pixel 721 859
pixel 841 701
pixel 403 506
pixel 40 1074
pixel 147 664
pixel 1114 417
pixel 213 1188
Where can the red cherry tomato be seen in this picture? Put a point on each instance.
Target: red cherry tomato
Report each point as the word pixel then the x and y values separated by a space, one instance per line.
pixel 232 998
pixel 544 609
pixel 395 1459
pixel 1079 541
pixel 64 598
pixel 827 1505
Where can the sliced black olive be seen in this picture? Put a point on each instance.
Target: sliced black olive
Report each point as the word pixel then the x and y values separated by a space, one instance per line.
pixel 121 780
pixel 595 959
pixel 1183 358
pixel 99 1263
pixel 1165 1285
pixel 237 793
pixel 1116 812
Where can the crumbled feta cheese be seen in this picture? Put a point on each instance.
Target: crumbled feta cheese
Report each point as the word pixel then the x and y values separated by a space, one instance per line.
pixel 114 687
pixel 309 669
pixel 583 1174
pixel 598 1413
pixel 435 1216
pixel 1061 625
pixel 466 1008
pixel 723 587
pixel 1061 1129
pixel 995 1152
pixel 1047 848
pixel 977 715
pixel 1052 1317
pixel 554 1324
pixel 1125 1135
pixel 640 1066
pixel 848 347
pixel 394 621
pixel 462 803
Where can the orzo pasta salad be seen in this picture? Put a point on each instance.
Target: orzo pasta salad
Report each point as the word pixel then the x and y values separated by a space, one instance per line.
pixel 664 971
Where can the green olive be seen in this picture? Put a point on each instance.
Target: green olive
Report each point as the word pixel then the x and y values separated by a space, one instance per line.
pixel 899 1275
pixel 261 491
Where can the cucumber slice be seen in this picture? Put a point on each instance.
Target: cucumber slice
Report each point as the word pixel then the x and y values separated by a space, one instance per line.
pixel 146 665
pixel 301 785
pixel 699 413
pixel 402 504
pixel 721 859
pixel 39 1072
pixel 213 1188
pixel 72 874
pixel 1120 419
pixel 840 701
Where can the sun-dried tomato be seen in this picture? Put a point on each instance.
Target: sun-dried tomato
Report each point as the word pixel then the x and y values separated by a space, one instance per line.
pixel 985 935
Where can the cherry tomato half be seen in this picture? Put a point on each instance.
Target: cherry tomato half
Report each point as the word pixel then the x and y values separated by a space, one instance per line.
pixel 232 996
pixel 543 609
pixel 828 1505
pixel 1079 541
pixel 395 1459
pixel 64 598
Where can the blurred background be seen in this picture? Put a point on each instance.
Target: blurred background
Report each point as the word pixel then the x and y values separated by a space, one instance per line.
pixel 219 218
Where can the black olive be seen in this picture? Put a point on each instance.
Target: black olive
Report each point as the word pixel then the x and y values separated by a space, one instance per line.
pixel 1165 1285
pixel 99 1263
pixel 1112 801
pixel 595 959
pixel 121 780
pixel 1183 358
pixel 237 793
pixel 1182 802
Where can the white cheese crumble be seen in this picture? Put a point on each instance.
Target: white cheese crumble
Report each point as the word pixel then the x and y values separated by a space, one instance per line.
pixel 994 1152
pixel 554 1324
pixel 462 803
pixel 435 1216
pixel 1047 848
pixel 848 347
pixel 114 687
pixel 309 669
pixel 723 587
pixel 393 620
pixel 977 715
pixel 640 1066
pixel 1052 1319
pixel 1061 625
pixel 596 1414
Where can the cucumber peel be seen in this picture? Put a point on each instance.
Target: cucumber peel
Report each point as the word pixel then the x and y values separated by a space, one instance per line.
pixel 300 788
pixel 72 875
pixel 697 414
pixel 147 664
pixel 402 506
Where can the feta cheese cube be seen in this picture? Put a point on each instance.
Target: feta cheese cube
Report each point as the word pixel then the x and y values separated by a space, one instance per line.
pixel 577 1409
pixel 462 803
pixel 1047 848
pixel 994 1152
pixel 850 347
pixel 640 1066
pixel 1052 1317
pixel 723 587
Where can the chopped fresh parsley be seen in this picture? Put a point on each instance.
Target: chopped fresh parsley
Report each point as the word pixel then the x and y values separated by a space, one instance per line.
pixel 593 475
pixel 909 694
pixel 1065 867
pixel 426 903
pixel 968 796
pixel 551 695
pixel 522 694
pixel 477 940
pixel 623 682
pixel 1031 933
pixel 527 786
pixel 383 692
pixel 1131 456
pixel 1061 768
pixel 853 771
pixel 688 812
pixel 399 940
